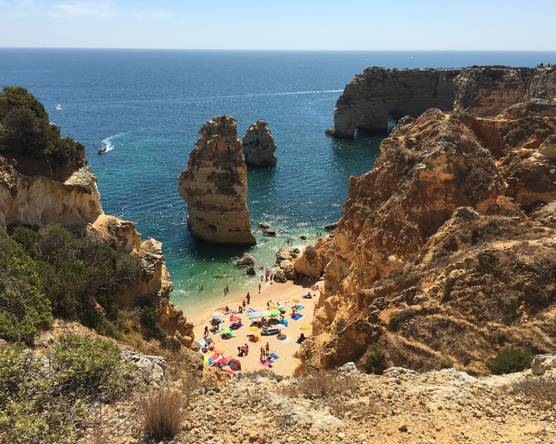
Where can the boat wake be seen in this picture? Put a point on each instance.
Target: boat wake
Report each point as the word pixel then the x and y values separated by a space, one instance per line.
pixel 107 144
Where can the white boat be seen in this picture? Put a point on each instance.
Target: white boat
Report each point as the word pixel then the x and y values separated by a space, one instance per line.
pixel 58 106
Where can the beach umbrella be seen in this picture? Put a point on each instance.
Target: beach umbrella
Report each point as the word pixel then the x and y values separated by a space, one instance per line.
pixel 216 314
pixel 256 314
pixel 280 326
pixel 266 313
pixel 271 307
pixel 253 328
pixel 304 326
pixel 234 364
pixel 281 306
pixel 275 312
pixel 295 299
pixel 234 319
pixel 220 351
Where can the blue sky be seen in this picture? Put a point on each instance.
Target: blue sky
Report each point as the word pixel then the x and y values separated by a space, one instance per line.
pixel 281 24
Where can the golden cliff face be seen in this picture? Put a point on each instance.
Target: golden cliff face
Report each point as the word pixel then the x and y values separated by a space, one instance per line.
pixel 377 93
pixel 39 200
pixel 214 185
pixel 406 242
pixel 75 203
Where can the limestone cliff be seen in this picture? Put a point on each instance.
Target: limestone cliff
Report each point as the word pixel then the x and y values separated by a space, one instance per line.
pixel 214 185
pixel 445 246
pixel 75 203
pixel 39 200
pixel 371 97
pixel 258 145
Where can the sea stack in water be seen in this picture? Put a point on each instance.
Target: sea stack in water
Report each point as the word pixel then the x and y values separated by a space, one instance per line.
pixel 258 145
pixel 214 185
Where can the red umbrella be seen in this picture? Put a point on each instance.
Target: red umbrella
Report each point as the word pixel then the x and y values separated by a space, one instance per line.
pixel 234 319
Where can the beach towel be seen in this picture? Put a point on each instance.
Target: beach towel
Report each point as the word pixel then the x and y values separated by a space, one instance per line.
pixel 285 341
pixel 227 370
pixel 264 364
pixel 297 317
pixel 201 343
pixel 274 356
pixel 250 310
pixel 300 307
pixel 209 341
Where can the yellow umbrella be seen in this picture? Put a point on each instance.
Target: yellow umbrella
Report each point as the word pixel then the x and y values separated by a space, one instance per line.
pixel 304 326
pixel 253 328
pixel 295 299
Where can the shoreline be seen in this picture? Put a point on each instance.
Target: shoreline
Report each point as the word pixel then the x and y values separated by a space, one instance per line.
pixel 286 364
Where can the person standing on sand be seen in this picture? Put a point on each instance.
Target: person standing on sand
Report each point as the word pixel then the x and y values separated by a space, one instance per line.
pixel 259 288
pixel 243 303
pixel 267 349
pixel 248 297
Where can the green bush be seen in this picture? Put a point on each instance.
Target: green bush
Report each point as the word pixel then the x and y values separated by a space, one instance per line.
pixel 510 360
pixel 375 360
pixel 45 398
pixel 446 362
pixel 24 308
pixel 26 130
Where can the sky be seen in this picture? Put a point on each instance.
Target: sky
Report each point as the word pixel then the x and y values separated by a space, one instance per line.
pixel 281 24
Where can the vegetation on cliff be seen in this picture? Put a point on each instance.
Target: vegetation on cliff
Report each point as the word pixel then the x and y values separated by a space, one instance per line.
pixel 26 132
pixel 47 397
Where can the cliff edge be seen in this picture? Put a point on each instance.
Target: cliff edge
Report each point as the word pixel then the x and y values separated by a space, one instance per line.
pixel 377 94
pixel 444 250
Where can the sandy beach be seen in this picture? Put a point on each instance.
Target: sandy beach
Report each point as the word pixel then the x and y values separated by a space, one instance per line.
pixel 280 294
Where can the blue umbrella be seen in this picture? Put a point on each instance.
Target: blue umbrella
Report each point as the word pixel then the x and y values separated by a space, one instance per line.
pixel 256 314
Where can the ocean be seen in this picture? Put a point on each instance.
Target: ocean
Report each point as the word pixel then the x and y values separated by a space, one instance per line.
pixel 147 106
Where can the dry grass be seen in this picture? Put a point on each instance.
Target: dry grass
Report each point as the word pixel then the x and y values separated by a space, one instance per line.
pixel 540 391
pixel 162 414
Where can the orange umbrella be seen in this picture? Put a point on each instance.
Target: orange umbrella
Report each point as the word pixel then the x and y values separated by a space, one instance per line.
pixel 220 351
pixel 295 299
pixel 271 307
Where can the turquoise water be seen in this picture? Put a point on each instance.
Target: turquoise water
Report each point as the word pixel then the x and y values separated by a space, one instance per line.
pixel 147 106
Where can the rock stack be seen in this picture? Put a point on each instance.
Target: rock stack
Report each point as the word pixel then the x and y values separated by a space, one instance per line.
pixel 214 185
pixel 258 145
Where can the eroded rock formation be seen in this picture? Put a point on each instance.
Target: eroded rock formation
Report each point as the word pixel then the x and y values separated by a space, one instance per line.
pixel 39 200
pixel 258 145
pixel 445 245
pixel 377 93
pixel 214 185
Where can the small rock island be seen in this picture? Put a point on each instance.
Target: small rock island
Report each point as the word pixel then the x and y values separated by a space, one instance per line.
pixel 258 145
pixel 214 185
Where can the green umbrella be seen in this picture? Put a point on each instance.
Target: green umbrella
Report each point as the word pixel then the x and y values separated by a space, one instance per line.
pixel 275 312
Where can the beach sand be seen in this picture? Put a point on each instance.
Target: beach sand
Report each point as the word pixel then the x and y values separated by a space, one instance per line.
pixel 278 294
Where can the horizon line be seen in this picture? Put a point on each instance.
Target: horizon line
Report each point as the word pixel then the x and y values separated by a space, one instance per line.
pixel 283 50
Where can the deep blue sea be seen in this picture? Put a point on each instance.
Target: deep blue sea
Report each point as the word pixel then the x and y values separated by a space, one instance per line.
pixel 146 107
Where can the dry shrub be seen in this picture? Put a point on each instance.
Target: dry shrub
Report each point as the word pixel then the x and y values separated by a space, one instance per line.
pixel 541 391
pixel 322 383
pixel 162 414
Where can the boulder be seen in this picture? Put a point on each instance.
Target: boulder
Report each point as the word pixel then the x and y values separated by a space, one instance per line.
pixel 542 363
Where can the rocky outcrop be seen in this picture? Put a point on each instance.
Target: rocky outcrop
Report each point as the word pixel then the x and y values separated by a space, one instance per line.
pixel 258 145
pixel 214 185
pixel 371 97
pixel 312 260
pixel 39 200
pixel 451 231
pixel 153 284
